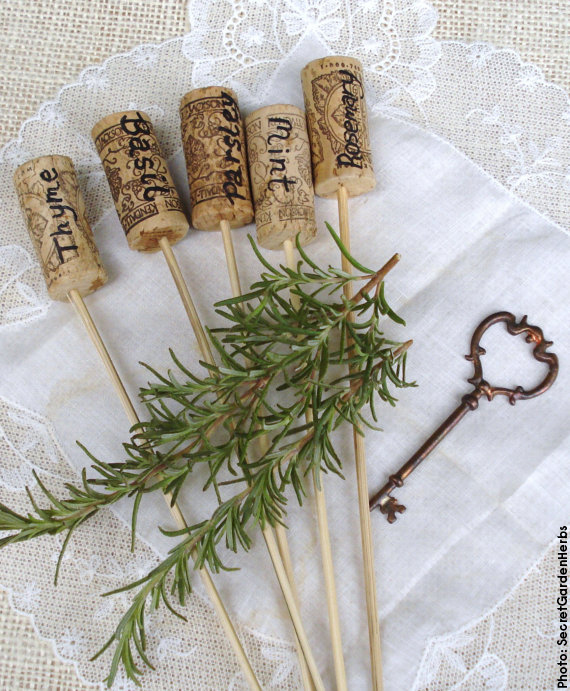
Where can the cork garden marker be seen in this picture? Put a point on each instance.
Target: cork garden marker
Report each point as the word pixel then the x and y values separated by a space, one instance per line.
pixel 53 207
pixel 342 167
pixel 383 499
pixel 220 196
pixel 54 210
pixel 214 149
pixel 145 197
pixel 282 186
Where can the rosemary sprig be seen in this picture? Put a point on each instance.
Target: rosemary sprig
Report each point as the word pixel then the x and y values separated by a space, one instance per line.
pixel 275 362
pixel 272 347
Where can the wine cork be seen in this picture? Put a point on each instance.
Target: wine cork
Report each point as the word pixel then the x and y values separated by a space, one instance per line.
pixel 54 210
pixel 214 148
pixel 143 190
pixel 280 170
pixel 337 121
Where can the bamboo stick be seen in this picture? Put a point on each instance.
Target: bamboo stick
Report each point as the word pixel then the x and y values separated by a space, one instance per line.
pixel 362 486
pixel 83 313
pixel 280 158
pixel 49 193
pixel 282 558
pixel 324 537
pixel 187 301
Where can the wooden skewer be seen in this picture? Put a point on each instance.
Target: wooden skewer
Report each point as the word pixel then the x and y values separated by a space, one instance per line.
pixel 187 301
pixel 280 557
pixel 231 262
pixel 285 554
pixel 81 309
pixel 362 485
pixel 324 538
pixel 283 577
pixel 280 532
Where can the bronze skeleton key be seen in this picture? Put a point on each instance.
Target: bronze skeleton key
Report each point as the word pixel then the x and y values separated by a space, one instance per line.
pixel 388 504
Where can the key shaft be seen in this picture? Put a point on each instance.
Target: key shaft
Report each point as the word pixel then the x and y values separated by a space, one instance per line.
pixel 382 499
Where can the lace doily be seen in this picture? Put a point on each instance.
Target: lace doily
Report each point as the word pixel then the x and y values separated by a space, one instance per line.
pixel 499 112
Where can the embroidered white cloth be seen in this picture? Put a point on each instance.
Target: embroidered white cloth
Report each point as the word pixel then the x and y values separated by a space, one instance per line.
pixel 472 158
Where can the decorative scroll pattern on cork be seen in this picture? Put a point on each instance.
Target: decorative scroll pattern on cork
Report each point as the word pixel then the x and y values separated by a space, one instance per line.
pixel 54 210
pixel 280 171
pixel 214 148
pixel 143 190
pixel 337 121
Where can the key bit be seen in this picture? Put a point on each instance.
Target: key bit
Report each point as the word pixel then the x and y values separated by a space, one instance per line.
pixel 383 499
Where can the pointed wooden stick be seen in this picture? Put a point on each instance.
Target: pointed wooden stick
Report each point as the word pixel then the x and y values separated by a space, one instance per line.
pixel 197 328
pixel 324 537
pixel 282 558
pixel 231 262
pixel 285 554
pixel 81 309
pixel 362 485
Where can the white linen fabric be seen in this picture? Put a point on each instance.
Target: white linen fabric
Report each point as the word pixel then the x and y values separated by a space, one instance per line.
pixel 483 509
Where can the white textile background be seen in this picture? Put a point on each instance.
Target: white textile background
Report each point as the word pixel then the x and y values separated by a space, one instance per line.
pixel 483 508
